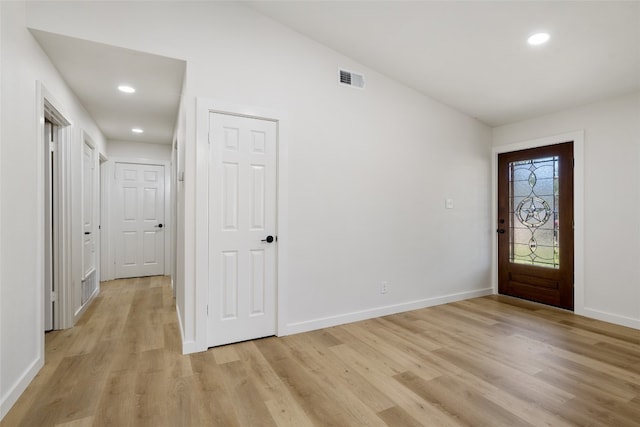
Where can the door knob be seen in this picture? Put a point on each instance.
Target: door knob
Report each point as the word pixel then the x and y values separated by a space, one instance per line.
pixel 159 226
pixel 268 239
pixel 87 232
pixel 501 230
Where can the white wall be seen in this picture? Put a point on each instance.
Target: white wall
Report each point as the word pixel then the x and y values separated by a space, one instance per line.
pixel 21 286
pixel 612 199
pixel 139 150
pixel 369 170
pixel 180 209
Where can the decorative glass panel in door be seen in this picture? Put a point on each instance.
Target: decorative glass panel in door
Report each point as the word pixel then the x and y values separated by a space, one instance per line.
pixel 533 212
pixel 535 224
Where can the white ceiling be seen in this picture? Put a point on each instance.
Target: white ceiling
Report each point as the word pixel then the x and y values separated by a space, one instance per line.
pixel 473 55
pixel 93 71
pixel 470 55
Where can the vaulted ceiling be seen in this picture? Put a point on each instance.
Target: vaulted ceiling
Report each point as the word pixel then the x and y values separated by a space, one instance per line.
pixel 471 55
pixel 474 56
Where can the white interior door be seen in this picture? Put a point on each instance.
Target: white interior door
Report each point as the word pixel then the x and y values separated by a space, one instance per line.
pixel 242 220
pixel 88 208
pixel 139 220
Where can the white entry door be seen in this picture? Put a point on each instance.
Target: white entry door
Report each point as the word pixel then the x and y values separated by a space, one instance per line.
pixel 139 220
pixel 242 228
pixel 88 206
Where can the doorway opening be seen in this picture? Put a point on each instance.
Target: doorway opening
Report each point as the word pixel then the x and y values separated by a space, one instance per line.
pixel 50 225
pixel 53 148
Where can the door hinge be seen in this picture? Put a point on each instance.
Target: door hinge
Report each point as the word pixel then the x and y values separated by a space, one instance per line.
pixel 207 310
pixel 209 138
pixel 52 147
pixel 54 296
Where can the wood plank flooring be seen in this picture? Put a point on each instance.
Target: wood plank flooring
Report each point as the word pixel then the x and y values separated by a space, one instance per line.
pixel 492 361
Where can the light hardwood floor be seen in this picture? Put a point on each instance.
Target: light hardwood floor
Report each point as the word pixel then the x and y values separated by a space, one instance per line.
pixel 492 361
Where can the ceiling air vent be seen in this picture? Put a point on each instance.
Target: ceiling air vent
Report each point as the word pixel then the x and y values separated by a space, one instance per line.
pixel 350 78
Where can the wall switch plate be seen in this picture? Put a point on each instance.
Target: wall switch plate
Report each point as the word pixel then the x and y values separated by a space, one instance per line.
pixel 384 287
pixel 448 203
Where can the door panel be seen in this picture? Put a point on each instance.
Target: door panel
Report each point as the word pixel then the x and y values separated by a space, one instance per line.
pixel 139 211
pixel 242 206
pixel 535 224
pixel 88 205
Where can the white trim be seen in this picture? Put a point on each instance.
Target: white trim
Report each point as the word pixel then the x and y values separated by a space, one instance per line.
pixel 611 318
pixel 166 164
pixel 8 399
pixel 187 346
pixel 173 179
pixel 106 261
pixel 102 201
pixel 205 106
pixel 356 316
pixel 78 314
pixel 48 105
pixel 578 206
pixel 86 139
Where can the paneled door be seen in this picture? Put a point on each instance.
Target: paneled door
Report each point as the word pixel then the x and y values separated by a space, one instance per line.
pixel 88 207
pixel 139 220
pixel 242 228
pixel 535 224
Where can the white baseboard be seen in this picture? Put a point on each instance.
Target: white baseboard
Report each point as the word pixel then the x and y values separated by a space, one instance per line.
pixel 78 314
pixel 341 319
pixel 611 318
pixel 15 391
pixel 188 347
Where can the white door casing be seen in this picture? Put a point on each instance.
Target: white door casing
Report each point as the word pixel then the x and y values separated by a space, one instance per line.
pixel 88 210
pixel 242 213
pixel 139 220
pixel 61 231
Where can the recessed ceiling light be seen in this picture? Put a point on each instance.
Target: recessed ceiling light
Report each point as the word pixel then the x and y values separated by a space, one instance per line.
pixel 126 89
pixel 137 130
pixel 538 38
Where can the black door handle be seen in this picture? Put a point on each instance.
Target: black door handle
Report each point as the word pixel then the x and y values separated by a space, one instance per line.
pixel 159 226
pixel 269 239
pixel 501 230
pixel 87 232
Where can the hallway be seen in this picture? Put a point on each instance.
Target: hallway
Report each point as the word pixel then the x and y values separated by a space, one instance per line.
pixel 111 365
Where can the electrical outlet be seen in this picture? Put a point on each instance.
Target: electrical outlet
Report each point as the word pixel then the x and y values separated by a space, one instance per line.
pixel 384 287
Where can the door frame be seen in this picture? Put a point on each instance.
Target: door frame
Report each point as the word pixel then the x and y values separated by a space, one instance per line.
pixel 103 199
pixel 205 106
pixel 108 213
pixel 49 107
pixel 578 206
pixel 76 297
pixel 86 139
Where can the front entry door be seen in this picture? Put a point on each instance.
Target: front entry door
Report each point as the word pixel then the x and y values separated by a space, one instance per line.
pixel 139 223
pixel 535 224
pixel 242 228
